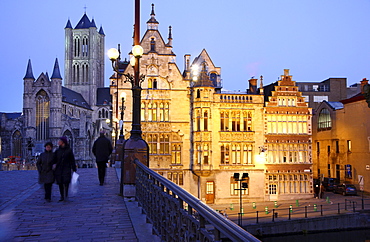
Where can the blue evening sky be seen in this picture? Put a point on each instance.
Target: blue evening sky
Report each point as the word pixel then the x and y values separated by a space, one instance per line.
pixel 314 39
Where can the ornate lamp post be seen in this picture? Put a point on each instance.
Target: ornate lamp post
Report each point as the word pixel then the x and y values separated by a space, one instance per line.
pixel 135 147
pixel 123 108
pixel 242 187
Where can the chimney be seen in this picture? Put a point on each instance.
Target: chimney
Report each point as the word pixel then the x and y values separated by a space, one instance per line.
pixel 252 86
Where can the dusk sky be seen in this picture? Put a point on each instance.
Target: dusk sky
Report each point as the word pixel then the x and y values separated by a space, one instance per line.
pixel 315 39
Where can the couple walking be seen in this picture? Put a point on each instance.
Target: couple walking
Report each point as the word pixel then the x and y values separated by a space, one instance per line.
pixel 56 166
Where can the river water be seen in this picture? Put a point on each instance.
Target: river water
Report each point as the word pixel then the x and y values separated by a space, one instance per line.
pixel 335 236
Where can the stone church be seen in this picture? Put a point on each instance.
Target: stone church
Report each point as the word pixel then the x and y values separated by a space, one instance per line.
pixel 78 109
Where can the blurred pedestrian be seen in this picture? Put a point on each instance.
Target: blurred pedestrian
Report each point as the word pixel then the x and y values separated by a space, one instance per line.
pixel 44 166
pixel 64 164
pixel 322 190
pixel 102 149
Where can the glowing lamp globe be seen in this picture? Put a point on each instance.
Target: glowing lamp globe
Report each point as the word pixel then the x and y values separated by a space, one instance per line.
pixel 137 51
pixel 113 54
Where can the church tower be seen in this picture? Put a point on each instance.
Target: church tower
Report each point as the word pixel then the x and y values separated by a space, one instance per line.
pixel 84 58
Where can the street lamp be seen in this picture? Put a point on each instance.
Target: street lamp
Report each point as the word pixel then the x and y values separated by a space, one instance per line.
pixel 135 147
pixel 242 187
pixel 123 108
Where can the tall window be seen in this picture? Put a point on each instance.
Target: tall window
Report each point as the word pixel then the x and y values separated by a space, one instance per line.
pixel 205 121
pixel 17 144
pixel 42 115
pixel 235 121
pixel 143 113
pixel 225 154
pixel 324 121
pixel 176 154
pixel 152 143
pixel 198 121
pixel 247 117
pixel 77 47
pixel 85 46
pixel 349 146
pixel 85 73
pixel 164 147
pixel 76 73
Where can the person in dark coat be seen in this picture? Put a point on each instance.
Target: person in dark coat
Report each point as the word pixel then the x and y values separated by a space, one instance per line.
pixel 64 164
pixel 102 149
pixel 45 168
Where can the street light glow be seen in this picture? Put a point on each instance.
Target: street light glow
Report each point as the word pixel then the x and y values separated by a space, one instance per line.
pixel 113 54
pixel 137 51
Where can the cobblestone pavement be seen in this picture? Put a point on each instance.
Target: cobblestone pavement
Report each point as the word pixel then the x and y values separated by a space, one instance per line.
pixel 94 213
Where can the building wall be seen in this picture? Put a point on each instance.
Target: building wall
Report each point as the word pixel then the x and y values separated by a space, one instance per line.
pixel 348 138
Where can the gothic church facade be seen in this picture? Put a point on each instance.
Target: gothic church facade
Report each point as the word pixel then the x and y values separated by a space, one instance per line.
pixel 78 109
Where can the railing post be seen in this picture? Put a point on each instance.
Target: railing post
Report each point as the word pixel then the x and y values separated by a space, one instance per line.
pixel 321 211
pixel 338 208
pixel 345 204
pixel 273 215
pixel 289 214
pixel 257 217
pixel 305 211
pixel 353 205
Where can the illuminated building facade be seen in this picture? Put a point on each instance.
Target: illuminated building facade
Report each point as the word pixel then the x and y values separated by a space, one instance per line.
pixel 199 136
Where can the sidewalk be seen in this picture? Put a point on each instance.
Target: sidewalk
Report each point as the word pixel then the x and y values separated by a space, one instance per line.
pixel 329 206
pixel 94 213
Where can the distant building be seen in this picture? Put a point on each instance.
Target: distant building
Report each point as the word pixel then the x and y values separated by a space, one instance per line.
pixel 76 110
pixel 342 140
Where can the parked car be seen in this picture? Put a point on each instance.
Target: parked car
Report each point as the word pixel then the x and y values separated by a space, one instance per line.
pixel 330 183
pixel 345 189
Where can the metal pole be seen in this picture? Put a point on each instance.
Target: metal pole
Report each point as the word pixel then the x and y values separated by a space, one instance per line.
pixel 305 211
pixel 338 208
pixel 241 203
pixel 257 217
pixel 321 210
pixel 273 215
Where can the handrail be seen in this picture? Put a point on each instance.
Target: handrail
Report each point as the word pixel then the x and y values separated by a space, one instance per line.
pixel 177 215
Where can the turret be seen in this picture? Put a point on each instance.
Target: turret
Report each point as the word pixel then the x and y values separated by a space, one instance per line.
pixel 152 23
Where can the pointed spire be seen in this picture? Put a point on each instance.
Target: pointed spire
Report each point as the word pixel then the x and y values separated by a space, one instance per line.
pixel 56 71
pixel 101 31
pixel 84 23
pixel 152 22
pixel 68 25
pixel 29 73
pixel 93 23
pixel 169 36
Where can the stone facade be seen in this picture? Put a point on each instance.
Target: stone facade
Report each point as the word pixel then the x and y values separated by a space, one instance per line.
pixel 50 110
pixel 342 141
pixel 199 136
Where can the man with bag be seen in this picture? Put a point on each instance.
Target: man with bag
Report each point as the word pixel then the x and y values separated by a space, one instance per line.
pixel 102 149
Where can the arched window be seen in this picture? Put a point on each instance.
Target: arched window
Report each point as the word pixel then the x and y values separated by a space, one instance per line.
pixel 42 115
pixel 152 44
pixel 198 121
pixel 17 144
pixel 85 46
pixel 76 73
pixel 324 121
pixel 155 84
pixel 205 121
pixel 76 47
pixel 143 112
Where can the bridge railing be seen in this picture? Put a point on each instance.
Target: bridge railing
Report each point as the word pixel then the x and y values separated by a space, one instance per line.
pixel 176 215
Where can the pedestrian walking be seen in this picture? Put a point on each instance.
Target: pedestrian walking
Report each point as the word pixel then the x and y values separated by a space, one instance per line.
pixel 44 166
pixel 64 164
pixel 322 190
pixel 102 149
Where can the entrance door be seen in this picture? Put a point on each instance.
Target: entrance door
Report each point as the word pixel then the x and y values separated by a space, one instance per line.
pixel 210 192
pixel 273 192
